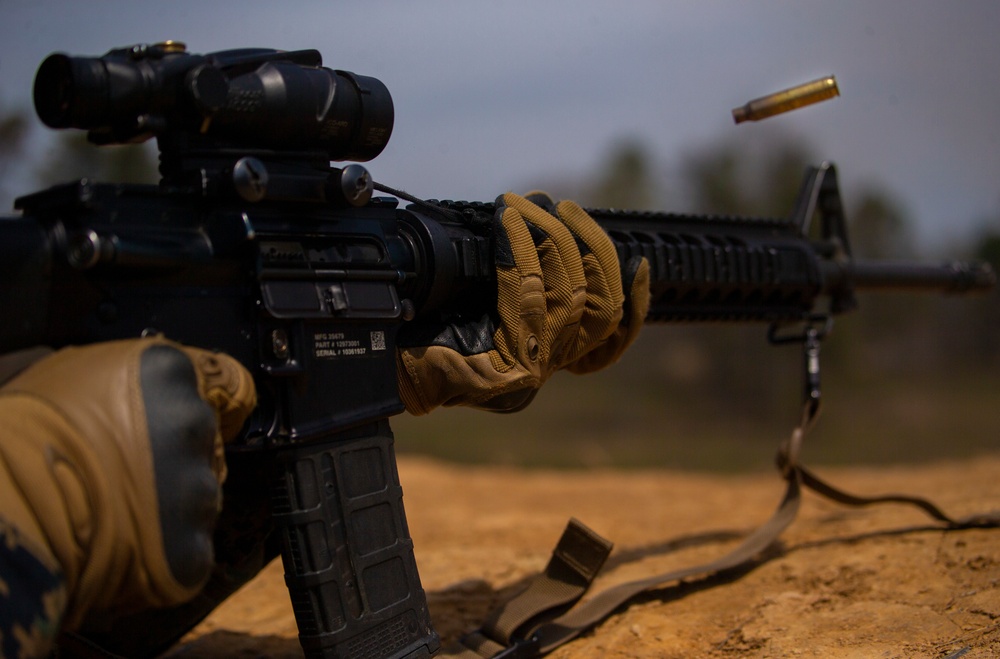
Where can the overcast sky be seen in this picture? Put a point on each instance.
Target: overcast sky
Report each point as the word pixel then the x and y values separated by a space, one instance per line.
pixel 493 96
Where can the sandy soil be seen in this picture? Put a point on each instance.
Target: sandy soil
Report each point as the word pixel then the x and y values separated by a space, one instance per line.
pixel 877 582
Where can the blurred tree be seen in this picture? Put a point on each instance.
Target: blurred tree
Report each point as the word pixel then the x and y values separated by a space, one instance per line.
pixel 66 157
pixel 72 157
pixel 627 181
pixel 783 172
pixel 988 248
pixel 878 228
pixel 888 332
pixel 734 179
pixel 14 129
pixel 988 316
pixel 975 320
pixel 712 178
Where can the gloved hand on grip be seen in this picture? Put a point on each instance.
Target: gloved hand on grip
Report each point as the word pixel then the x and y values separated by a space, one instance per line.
pixel 563 302
pixel 111 463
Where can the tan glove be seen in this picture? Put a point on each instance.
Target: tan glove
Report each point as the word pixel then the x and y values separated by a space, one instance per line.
pixel 560 304
pixel 111 461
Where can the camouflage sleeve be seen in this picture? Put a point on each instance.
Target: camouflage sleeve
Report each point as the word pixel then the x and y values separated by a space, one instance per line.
pixel 32 596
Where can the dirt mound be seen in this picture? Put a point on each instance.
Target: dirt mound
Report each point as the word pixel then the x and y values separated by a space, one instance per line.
pixel 879 582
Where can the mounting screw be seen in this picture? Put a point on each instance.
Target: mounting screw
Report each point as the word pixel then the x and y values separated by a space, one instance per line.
pixel 279 344
pixel 250 178
pixel 356 185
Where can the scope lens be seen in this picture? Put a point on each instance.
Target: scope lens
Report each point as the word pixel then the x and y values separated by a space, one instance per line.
pixel 72 92
pixel 54 91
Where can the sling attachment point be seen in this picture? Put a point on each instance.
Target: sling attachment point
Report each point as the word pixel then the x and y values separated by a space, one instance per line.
pixel 813 331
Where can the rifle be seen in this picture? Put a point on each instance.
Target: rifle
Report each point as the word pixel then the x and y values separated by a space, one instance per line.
pixel 254 245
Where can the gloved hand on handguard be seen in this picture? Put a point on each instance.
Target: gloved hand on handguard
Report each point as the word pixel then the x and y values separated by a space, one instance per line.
pixel 563 302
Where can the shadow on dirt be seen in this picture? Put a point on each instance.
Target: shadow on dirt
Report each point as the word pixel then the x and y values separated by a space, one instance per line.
pixel 460 607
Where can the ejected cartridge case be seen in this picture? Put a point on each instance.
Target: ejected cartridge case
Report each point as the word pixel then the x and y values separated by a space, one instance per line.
pixel 789 99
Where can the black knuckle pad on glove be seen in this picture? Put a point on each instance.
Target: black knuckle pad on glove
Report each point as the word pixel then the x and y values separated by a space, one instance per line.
pixel 542 200
pixel 629 273
pixel 503 252
pixel 182 430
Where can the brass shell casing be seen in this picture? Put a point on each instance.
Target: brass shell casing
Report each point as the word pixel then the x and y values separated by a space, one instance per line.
pixel 788 99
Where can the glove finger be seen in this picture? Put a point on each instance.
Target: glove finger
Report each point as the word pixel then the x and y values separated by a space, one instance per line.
pixel 563 277
pixel 560 243
pixel 636 281
pixel 603 312
pixel 225 385
pixel 228 388
pixel 520 293
pixel 594 237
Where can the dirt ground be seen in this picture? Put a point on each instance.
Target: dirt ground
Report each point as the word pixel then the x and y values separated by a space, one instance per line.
pixel 876 582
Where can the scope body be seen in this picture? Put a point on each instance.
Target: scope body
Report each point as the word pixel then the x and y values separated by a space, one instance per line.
pixel 249 99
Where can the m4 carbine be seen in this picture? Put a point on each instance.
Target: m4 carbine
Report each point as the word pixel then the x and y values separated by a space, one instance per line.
pixel 252 244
